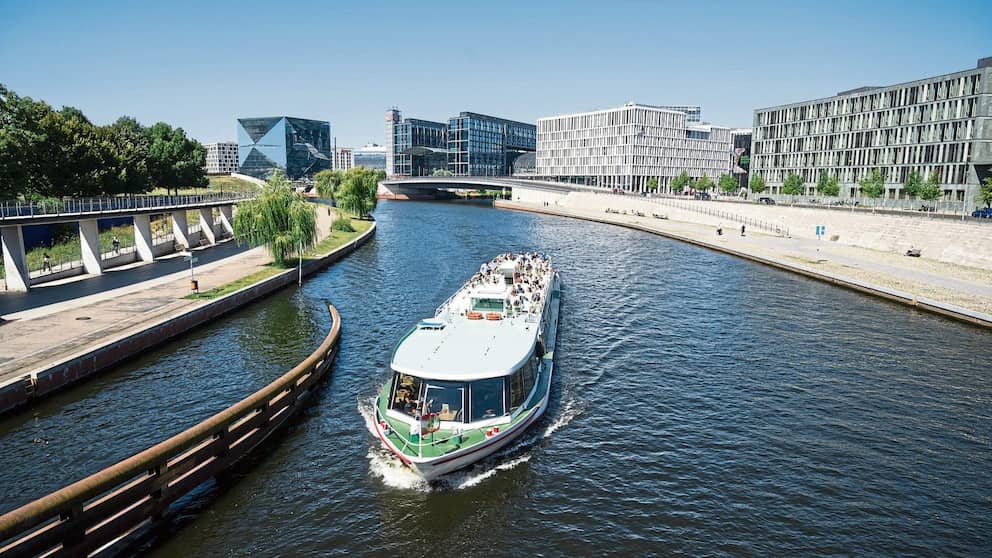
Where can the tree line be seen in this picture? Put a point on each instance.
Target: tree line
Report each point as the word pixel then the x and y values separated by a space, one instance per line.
pixel 47 152
pixel 353 190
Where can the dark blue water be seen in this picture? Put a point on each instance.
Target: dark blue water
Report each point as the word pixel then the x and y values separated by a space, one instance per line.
pixel 701 405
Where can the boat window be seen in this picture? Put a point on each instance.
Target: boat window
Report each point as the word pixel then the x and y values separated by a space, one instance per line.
pixel 406 393
pixel 487 399
pixel 521 382
pixel 447 399
pixel 487 304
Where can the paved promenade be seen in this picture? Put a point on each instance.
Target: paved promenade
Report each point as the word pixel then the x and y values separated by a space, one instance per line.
pixel 968 288
pixel 40 336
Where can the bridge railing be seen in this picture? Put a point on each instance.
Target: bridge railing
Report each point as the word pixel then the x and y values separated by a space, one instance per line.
pixel 79 206
pixel 99 511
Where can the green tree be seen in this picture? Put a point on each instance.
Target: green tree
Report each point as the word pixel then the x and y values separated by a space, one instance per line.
pixel 680 182
pixel 703 183
pixel 652 185
pixel 793 185
pixel 327 181
pixel 279 218
pixel 872 186
pixel 757 184
pixel 985 193
pixel 127 157
pixel 357 192
pixel 913 184
pixel 728 184
pixel 23 144
pixel 175 161
pixel 931 189
pixel 828 185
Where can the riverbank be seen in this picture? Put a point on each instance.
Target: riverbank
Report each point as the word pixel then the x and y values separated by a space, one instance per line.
pixel 48 348
pixel 960 293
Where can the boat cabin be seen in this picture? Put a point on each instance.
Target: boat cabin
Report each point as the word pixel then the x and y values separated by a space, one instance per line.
pixel 486 399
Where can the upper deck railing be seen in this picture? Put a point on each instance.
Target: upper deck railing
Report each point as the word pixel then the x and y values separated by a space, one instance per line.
pixel 76 207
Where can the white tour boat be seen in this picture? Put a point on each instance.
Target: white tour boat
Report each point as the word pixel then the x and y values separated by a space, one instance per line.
pixel 470 380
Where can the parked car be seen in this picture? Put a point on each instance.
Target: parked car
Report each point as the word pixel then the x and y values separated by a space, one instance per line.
pixel 702 196
pixel 766 201
pixel 983 213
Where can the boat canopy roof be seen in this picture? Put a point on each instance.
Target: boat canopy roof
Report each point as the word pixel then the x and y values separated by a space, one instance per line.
pixel 468 350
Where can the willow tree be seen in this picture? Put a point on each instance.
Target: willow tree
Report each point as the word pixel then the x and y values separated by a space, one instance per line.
pixel 357 192
pixel 279 218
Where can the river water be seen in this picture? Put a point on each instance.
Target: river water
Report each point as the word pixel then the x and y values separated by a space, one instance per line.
pixel 701 404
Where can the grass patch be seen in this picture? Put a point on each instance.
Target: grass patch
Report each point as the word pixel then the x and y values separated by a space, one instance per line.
pixel 68 248
pixel 269 270
pixel 217 184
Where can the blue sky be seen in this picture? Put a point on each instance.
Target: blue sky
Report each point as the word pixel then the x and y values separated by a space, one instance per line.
pixel 200 65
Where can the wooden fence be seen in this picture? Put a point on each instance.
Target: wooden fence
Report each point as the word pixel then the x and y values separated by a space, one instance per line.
pixel 95 515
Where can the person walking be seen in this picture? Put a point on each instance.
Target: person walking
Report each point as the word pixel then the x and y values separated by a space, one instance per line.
pixel 719 229
pixel 117 245
pixel 46 263
pixel 742 229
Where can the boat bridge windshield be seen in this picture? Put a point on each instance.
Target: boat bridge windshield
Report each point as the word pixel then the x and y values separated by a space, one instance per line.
pixel 463 401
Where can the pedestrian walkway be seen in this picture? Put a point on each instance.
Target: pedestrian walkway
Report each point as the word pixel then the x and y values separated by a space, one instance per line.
pixel 969 288
pixel 39 336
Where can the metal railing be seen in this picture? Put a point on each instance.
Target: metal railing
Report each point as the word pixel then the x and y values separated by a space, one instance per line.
pixel 98 512
pixel 80 206
pixel 686 205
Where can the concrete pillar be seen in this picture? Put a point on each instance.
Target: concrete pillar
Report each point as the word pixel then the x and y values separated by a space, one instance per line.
pixel 15 264
pixel 227 219
pixel 207 224
pixel 180 230
pixel 89 242
pixel 143 237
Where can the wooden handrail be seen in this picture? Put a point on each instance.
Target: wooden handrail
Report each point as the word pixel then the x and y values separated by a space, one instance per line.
pixel 112 503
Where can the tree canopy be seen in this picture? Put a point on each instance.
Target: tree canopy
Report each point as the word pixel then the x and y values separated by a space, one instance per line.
pixel 279 218
pixel 357 192
pixel 327 181
pixel 873 186
pixel 793 185
pixel 985 193
pixel 913 184
pixel 931 189
pixel 681 181
pixel 46 152
pixel 703 183
pixel 728 184
pixel 828 185
pixel 757 184
pixel 652 185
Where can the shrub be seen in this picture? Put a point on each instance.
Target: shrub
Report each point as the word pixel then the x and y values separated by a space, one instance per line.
pixel 342 224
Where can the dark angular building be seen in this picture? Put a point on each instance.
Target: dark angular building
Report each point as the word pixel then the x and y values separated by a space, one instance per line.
pixel 298 146
pixel 415 147
pixel 481 145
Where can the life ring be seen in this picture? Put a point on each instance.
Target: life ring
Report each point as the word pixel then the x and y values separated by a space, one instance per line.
pixel 493 316
pixel 473 315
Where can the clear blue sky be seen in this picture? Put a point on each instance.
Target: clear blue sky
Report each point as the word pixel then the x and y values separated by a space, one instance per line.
pixel 200 65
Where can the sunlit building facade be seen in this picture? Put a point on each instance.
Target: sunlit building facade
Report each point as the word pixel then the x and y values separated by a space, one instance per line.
pixel 222 157
pixel 481 145
pixel 370 156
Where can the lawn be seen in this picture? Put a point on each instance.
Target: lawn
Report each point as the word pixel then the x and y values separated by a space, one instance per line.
pixel 217 184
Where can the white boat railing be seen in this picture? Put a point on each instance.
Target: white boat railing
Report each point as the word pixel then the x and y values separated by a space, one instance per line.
pixel 421 444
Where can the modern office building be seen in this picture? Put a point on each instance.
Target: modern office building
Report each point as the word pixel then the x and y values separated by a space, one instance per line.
pixel 693 113
pixel 481 145
pixel 298 146
pixel 371 156
pixel 343 158
pixel 740 156
pixel 625 147
pixel 940 124
pixel 222 157
pixel 414 147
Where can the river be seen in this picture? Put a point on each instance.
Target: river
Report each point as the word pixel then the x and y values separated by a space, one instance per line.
pixel 702 404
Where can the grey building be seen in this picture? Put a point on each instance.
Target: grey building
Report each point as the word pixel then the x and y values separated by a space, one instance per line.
pixel 298 146
pixel 481 145
pixel 370 155
pixel 940 124
pixel 414 147
pixel 222 157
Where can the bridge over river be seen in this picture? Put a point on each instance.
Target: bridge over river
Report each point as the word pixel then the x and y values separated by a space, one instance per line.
pixel 702 404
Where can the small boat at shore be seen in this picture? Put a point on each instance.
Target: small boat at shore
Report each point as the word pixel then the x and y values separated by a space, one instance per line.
pixel 470 380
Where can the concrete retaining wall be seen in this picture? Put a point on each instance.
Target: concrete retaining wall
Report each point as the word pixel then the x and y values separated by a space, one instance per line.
pixel 17 392
pixel 967 243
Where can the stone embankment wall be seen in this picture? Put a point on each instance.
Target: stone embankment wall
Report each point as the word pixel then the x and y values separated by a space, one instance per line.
pixel 967 243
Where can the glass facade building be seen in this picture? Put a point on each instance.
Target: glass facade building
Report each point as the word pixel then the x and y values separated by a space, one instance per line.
pixel 298 146
pixel 481 145
pixel 419 147
pixel 370 156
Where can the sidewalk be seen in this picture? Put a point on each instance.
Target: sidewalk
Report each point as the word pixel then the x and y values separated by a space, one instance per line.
pixel 38 337
pixel 968 288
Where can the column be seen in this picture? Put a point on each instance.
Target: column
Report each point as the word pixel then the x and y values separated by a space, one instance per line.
pixel 89 242
pixel 226 219
pixel 15 264
pixel 180 230
pixel 207 224
pixel 143 237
